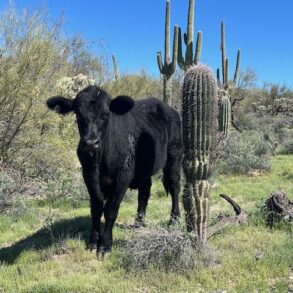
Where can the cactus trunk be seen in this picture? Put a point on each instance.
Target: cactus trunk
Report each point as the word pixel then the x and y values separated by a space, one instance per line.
pixel 199 121
pixel 167 94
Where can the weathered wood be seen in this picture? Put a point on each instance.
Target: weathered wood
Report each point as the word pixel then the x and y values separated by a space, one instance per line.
pixel 225 220
pixel 278 207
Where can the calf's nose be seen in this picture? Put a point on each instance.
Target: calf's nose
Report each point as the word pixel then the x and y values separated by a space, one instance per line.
pixel 94 143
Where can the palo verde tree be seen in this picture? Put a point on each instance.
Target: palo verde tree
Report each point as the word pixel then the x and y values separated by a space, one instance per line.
pixel 226 87
pixel 167 68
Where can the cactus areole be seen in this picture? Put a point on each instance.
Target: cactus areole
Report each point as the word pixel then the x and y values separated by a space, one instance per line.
pixel 199 119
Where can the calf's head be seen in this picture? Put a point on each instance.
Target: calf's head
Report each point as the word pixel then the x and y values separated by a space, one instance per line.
pixel 92 107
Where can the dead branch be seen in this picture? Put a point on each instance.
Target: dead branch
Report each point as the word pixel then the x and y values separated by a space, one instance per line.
pixel 226 220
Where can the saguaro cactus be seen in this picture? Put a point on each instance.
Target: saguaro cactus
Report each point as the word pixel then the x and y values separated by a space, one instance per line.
pixel 168 68
pixel 225 84
pixel 199 119
pixel 224 115
pixel 190 57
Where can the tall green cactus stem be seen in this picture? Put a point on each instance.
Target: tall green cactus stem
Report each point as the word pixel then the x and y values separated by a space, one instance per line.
pixel 168 68
pixel 116 70
pixel 199 119
pixel 225 115
pixel 226 84
pixel 190 58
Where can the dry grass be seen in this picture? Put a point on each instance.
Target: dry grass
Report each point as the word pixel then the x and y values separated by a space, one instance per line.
pixel 171 250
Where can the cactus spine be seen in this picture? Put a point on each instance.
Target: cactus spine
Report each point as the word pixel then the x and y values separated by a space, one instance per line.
pixel 199 121
pixel 190 58
pixel 224 115
pixel 168 68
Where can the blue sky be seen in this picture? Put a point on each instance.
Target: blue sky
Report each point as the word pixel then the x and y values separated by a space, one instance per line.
pixel 133 30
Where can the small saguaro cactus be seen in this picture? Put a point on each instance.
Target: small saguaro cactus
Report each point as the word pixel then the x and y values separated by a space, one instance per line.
pixel 168 68
pixel 199 121
pixel 224 115
pixel 190 57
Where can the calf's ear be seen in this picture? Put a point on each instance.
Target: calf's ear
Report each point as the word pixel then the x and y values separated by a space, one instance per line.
pixel 121 105
pixel 60 105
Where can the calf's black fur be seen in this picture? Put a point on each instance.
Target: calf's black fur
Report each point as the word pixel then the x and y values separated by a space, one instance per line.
pixel 122 144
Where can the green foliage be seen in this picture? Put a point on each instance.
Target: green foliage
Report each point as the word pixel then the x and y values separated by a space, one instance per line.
pixel 136 86
pixel 7 189
pixel 245 152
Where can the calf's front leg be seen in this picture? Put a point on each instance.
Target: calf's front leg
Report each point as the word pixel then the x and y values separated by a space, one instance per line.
pixel 91 178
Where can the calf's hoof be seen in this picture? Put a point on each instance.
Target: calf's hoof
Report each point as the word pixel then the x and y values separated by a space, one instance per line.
pixel 92 246
pixel 174 220
pixel 103 250
pixel 139 222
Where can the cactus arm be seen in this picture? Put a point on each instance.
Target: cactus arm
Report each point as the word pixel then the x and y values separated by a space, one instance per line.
pixel 226 74
pixel 236 74
pixel 175 50
pixel 190 23
pixel 116 70
pixel 219 78
pixel 223 49
pixel 160 62
pixel 189 35
pixel 180 59
pixel 198 47
pixel 167 33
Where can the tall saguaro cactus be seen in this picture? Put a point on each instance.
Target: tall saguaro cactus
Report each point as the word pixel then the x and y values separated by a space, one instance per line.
pixel 168 68
pixel 190 57
pixel 225 84
pixel 199 121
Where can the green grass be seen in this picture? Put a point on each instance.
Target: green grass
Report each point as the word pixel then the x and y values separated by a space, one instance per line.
pixel 35 259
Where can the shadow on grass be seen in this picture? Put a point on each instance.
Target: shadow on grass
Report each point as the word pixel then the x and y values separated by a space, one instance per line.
pixel 70 228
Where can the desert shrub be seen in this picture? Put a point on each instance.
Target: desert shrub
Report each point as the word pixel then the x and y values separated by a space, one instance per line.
pixel 15 189
pixel 286 147
pixel 163 249
pixel 135 85
pixel 66 189
pixel 8 188
pixel 244 152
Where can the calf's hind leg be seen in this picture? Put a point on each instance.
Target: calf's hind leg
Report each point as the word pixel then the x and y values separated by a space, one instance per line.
pixel 144 191
pixel 171 182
